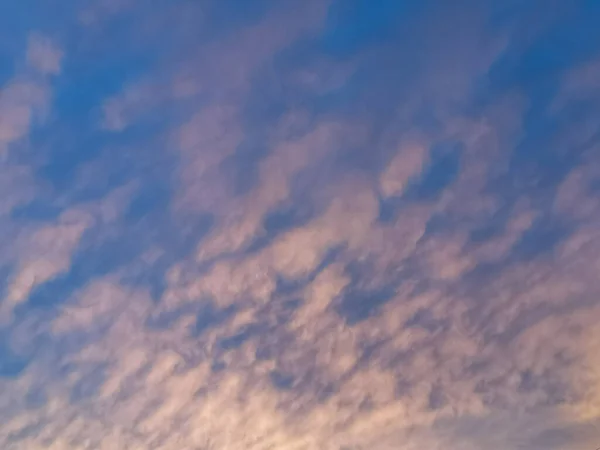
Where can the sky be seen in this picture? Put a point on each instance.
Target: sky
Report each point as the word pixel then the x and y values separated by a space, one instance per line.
pixel 300 225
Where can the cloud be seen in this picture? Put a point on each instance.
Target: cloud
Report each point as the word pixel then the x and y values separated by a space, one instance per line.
pixel 43 55
pixel 304 226
pixel 45 254
pixel 234 60
pixel 25 98
pixel 19 101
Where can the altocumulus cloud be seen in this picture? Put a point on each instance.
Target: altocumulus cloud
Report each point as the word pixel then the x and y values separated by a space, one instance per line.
pixel 300 225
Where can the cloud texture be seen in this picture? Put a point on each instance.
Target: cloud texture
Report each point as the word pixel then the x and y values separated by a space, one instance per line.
pixel 333 225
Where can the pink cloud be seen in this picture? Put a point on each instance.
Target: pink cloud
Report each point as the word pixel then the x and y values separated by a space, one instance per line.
pixel 43 55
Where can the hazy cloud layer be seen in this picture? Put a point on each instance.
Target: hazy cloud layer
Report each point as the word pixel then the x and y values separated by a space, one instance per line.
pixel 300 225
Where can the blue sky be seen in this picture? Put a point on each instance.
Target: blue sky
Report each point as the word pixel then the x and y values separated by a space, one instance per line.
pixel 318 224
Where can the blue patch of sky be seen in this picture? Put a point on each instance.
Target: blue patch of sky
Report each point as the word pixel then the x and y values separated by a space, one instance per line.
pixel 282 219
pixel 353 24
pixel 442 170
pixel 39 210
pixel 238 338
pixel 11 364
pixel 19 18
pixel 275 92
pixel 75 136
pixel 542 157
pixel 92 75
pixel 377 84
pixel 145 225
pixel 87 265
pixel 36 397
pixel 5 273
pixel 281 380
pixel 541 238
pixel 243 165
pixel 7 67
pixel 356 304
pixel 89 384
pixel 570 40
pixel 229 15
pixel 210 316
pixel 153 197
